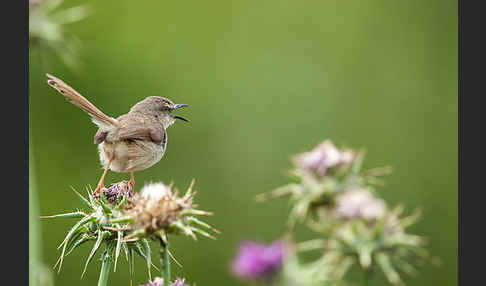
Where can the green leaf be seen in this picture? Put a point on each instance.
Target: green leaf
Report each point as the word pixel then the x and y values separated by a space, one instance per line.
pixel 105 205
pixel 67 215
pixel 181 227
pixel 125 219
pixel 122 201
pixel 146 246
pixel 83 199
pixel 411 219
pixel 118 247
pixel 131 263
pixel 356 167
pixel 135 235
pixel 138 249
pixel 365 259
pixel 406 267
pixel 279 192
pixel 202 232
pixel 80 241
pixel 310 245
pixel 71 232
pixel 125 249
pixel 194 212
pixel 99 239
pixel 386 266
pixel 74 237
pixel 343 267
pixel 198 222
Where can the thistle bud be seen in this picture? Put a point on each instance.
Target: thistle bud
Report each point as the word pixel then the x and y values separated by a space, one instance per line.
pixel 322 157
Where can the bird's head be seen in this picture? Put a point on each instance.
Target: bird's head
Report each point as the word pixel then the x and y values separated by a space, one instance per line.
pixel 160 107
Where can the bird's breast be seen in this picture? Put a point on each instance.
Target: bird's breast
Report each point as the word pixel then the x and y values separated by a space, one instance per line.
pixel 131 155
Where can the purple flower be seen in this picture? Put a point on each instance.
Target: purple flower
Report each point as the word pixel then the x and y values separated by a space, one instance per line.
pixel 179 282
pixel 258 261
pixel 158 281
pixel 322 157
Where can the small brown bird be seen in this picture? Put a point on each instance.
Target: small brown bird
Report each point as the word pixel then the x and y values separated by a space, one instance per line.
pixel 132 142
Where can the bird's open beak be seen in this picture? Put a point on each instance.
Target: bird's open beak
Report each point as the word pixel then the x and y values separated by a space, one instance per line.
pixel 179 106
pixel 176 106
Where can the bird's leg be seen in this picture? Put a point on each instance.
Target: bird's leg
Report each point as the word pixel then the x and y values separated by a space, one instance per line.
pixel 132 180
pixel 100 184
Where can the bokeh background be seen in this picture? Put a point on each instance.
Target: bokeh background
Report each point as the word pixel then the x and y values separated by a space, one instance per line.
pixel 264 80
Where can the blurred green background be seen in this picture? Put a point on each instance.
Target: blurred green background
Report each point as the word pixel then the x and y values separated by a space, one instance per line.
pixel 264 80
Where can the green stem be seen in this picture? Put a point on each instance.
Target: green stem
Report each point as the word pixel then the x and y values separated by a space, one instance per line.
pixel 106 261
pixel 165 262
pixel 35 243
pixel 366 277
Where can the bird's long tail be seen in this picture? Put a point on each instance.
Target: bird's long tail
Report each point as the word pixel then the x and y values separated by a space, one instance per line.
pixel 99 118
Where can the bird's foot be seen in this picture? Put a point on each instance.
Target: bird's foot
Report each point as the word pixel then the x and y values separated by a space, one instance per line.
pixel 98 189
pixel 132 180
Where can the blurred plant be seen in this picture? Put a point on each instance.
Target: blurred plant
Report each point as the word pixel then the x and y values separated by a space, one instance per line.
pixel 158 281
pixel 121 219
pixel 256 261
pixel 337 199
pixel 46 29
pixel 39 273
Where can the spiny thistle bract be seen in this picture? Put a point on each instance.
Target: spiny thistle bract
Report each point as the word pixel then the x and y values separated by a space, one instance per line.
pixel 123 220
pixel 338 200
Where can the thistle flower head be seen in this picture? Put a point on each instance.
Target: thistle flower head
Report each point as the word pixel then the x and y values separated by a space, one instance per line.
pixel 258 261
pixel 179 282
pixel 322 157
pixel 356 204
pixel 158 207
pixel 158 281
pixel 154 191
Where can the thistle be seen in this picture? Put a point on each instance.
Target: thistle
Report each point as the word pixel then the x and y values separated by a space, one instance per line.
pixel 320 175
pixel 120 220
pixel 380 243
pixel 338 200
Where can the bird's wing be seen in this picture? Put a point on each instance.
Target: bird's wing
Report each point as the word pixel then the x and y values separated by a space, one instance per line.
pixel 137 128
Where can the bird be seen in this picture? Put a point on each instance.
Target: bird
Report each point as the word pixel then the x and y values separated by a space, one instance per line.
pixel 131 142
